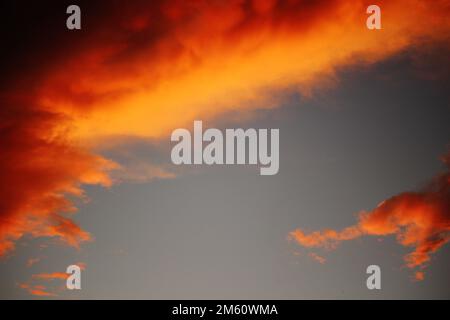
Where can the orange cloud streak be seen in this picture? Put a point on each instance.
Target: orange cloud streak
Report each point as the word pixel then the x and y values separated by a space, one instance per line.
pixel 36 290
pixel 51 276
pixel 150 67
pixel 40 290
pixel 418 219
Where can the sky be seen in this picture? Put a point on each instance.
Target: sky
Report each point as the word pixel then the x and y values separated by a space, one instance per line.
pixel 87 179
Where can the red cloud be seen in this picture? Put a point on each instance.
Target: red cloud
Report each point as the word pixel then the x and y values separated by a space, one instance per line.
pixel 39 167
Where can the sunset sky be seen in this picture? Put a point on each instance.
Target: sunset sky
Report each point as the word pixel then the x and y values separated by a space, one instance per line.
pixel 87 179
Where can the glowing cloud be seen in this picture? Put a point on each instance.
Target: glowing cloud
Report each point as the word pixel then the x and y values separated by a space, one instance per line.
pixel 150 67
pixel 205 58
pixel 420 220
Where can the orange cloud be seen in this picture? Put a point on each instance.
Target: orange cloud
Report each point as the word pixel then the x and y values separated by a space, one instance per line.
pixel 51 276
pixel 420 220
pixel 419 276
pixel 213 57
pixel 36 290
pixel 146 68
pixel 57 275
pixel 40 290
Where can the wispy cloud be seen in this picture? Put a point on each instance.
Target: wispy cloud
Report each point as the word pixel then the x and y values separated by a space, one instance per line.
pixel 317 258
pixel 35 288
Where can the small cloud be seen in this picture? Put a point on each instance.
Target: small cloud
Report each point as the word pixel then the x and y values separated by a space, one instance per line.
pixel 419 276
pixel 317 258
pixel 40 290
pixel 51 276
pixel 36 290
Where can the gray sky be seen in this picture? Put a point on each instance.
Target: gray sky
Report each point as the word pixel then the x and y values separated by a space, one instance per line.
pixel 221 232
